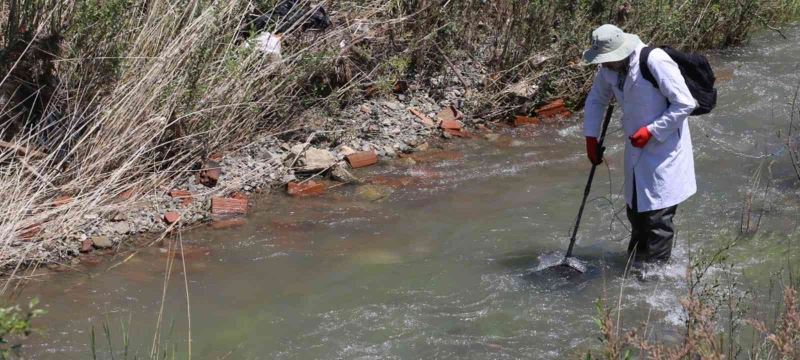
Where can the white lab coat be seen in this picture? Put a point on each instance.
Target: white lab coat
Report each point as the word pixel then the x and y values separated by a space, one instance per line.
pixel 664 168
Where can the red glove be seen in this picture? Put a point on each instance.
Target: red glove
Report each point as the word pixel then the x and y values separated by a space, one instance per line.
pixel 640 138
pixel 594 151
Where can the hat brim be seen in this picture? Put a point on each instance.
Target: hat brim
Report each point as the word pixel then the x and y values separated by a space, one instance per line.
pixel 591 57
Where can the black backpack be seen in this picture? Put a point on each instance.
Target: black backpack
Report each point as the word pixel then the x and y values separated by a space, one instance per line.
pixel 696 72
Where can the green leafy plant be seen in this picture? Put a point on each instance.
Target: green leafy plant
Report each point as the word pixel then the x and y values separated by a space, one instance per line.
pixel 15 324
pixel 96 34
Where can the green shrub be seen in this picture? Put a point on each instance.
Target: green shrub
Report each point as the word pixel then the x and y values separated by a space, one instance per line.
pixel 15 323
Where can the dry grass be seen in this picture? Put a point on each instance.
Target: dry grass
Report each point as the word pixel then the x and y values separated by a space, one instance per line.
pixel 185 90
pixel 782 342
pixel 721 318
pixel 703 339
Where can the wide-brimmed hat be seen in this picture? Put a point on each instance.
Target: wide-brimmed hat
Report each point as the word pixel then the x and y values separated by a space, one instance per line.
pixel 610 43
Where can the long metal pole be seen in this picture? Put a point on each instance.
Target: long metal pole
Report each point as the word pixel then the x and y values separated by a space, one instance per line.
pixel 588 189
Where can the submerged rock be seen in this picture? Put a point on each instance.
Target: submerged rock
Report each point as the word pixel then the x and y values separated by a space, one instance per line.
pixel 339 173
pixel 377 257
pixel 492 137
pixel 228 223
pixel 372 192
pixel 406 161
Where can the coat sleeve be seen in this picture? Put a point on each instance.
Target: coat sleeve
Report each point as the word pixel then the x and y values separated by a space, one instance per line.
pixel 599 97
pixel 673 87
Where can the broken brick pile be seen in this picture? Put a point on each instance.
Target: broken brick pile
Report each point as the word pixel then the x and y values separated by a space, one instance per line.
pixel 448 120
pixel 308 188
pixel 553 112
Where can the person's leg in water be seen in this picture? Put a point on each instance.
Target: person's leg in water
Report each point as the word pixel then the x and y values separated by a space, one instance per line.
pixel 652 233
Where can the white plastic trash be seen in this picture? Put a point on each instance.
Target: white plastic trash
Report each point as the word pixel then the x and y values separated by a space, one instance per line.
pixel 267 43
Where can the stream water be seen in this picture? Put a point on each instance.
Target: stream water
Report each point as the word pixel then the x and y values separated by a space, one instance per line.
pixel 442 266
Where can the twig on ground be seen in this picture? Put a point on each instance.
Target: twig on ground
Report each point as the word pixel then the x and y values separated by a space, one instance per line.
pixel 452 66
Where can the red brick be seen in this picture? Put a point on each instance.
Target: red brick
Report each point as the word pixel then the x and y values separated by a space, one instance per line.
pixel 228 206
pixel 522 120
pixel 179 194
pixel 556 117
pixel 458 133
pixel 184 196
pixel 227 223
pixel 558 103
pixel 424 119
pixel 87 246
pixel 209 175
pixel 125 195
pixel 308 188
pixel 553 111
pixel 450 124
pixel 238 195
pixel 362 159
pixel 449 113
pixel 172 217
pixel 400 87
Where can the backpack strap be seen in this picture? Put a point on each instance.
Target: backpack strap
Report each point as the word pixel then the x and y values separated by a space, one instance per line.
pixel 644 55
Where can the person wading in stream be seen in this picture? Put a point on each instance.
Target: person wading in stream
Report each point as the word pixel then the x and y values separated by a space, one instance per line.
pixel 659 164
